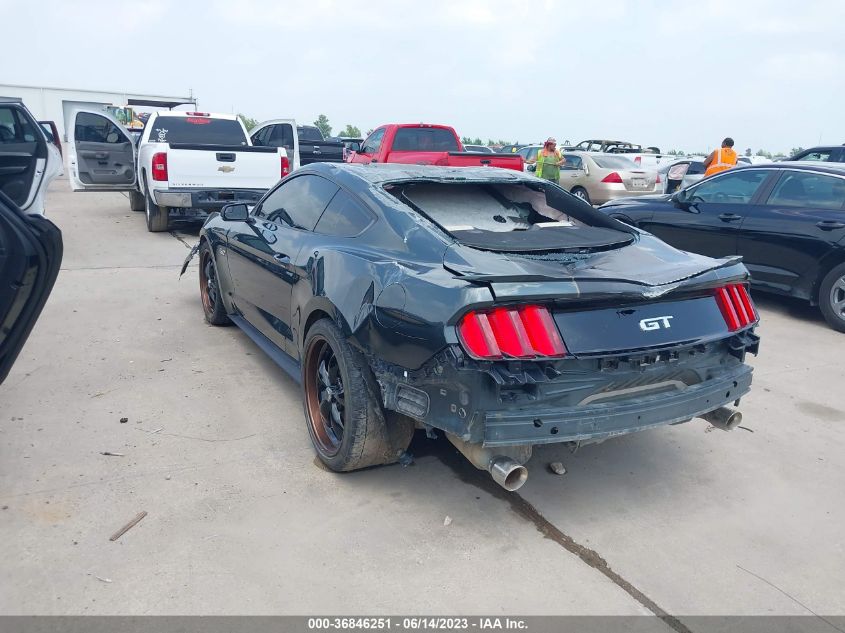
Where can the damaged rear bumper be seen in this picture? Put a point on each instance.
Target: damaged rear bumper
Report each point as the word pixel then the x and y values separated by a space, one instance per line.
pixel 569 400
pixel 545 426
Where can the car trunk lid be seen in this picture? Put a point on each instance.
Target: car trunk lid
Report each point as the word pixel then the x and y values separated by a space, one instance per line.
pixel 618 273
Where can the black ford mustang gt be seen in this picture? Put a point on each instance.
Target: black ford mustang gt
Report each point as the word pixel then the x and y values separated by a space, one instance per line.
pixel 482 302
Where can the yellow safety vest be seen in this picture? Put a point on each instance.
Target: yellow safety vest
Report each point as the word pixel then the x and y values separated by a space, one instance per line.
pixel 541 159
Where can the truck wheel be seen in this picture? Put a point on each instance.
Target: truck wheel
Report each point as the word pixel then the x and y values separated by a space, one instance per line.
pixel 136 201
pixel 346 422
pixel 832 298
pixel 210 290
pixel 157 217
pixel 580 192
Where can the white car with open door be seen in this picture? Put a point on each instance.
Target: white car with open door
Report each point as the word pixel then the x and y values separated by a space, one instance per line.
pixel 29 161
pixel 184 165
pixel 278 133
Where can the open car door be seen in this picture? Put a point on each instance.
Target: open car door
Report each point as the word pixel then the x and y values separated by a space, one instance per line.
pixel 30 256
pixel 101 153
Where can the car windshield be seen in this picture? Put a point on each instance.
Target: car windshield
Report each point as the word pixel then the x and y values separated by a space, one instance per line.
pixel 615 162
pixel 424 139
pixel 197 130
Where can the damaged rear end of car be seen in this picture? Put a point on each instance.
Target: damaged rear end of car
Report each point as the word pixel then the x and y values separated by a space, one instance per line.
pixel 559 325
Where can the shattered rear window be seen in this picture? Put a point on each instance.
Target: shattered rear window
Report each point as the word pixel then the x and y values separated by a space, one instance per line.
pixel 499 208
pixel 512 218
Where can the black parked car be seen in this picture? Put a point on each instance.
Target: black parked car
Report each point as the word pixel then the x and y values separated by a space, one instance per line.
pixel 786 220
pixel 30 256
pixel 482 302
pixel 824 154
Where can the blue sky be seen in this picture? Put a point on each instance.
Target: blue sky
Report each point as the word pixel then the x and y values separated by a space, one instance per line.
pixel 676 74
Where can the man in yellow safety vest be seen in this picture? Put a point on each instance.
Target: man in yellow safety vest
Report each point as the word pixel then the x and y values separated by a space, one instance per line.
pixel 721 159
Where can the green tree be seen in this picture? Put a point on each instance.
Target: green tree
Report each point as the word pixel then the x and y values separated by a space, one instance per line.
pixel 350 130
pixel 248 121
pixel 477 141
pixel 795 150
pixel 764 153
pixel 748 151
pixel 465 140
pixel 322 124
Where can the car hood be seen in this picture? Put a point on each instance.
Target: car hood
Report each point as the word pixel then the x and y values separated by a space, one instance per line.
pixel 647 268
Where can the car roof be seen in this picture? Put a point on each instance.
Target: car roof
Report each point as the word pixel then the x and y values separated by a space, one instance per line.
pixel 182 113
pixel 814 148
pixel 356 174
pixel 834 169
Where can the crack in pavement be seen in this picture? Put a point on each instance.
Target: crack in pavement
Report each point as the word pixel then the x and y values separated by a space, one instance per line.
pixel 468 474
pixel 181 239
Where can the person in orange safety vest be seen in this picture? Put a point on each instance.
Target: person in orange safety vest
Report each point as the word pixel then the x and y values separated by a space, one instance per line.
pixel 721 159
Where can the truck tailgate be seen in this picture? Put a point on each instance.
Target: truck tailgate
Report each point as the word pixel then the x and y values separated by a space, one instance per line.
pixel 223 166
pixel 476 159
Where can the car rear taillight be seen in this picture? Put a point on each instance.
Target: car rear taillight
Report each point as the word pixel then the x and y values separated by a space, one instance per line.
pixel 285 166
pixel 197 114
pixel 638 160
pixel 511 332
pixel 736 306
pixel 613 177
pixel 160 166
pixel 658 180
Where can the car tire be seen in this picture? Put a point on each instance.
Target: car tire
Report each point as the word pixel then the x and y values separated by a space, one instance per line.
pixel 157 216
pixel 832 298
pixel 346 422
pixel 210 291
pixel 137 202
pixel 580 192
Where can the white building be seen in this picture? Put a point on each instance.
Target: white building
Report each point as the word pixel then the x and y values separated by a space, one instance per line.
pixel 56 104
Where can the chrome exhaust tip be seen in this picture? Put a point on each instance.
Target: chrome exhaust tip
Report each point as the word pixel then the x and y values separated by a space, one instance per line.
pixel 724 418
pixel 509 474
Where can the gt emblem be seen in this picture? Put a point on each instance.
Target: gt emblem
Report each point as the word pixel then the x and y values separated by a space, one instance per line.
pixel 226 169
pixel 655 323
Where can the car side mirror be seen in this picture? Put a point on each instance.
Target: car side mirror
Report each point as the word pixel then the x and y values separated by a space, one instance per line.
pixel 235 212
pixel 531 168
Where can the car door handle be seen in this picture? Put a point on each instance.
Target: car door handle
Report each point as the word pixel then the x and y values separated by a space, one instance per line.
pixel 829 225
pixel 282 259
pixel 729 217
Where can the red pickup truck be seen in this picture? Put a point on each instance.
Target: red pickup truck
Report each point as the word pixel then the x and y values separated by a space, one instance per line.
pixel 424 144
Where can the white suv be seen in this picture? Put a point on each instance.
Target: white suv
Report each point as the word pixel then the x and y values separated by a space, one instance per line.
pixel 28 160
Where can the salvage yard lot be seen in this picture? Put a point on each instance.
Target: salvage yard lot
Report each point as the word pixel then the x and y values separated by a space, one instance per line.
pixel 242 519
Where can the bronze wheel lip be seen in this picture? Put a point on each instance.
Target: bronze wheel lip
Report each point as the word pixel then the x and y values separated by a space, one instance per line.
pixel 207 304
pixel 325 440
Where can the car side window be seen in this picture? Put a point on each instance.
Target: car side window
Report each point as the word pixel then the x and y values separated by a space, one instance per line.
pixel 15 128
pixel 373 142
pixel 344 217
pixel 573 162
pixel 282 136
pixel 260 137
pixel 734 187
pixel 298 202
pixel 809 190
pixel 92 128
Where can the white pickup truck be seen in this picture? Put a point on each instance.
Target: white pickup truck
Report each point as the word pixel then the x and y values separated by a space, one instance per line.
pixel 184 165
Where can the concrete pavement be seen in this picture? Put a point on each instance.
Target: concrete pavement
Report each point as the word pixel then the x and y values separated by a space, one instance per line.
pixel 241 519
